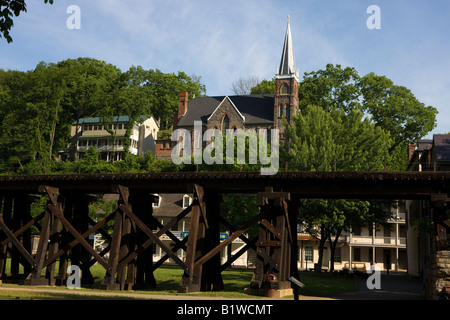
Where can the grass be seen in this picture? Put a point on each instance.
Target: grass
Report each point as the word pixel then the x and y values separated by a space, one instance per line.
pixel 322 284
pixel 168 277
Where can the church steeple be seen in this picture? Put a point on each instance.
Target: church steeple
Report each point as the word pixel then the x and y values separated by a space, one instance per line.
pixel 286 82
pixel 287 64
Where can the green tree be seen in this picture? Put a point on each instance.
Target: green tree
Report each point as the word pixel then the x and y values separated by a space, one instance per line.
pixel 264 87
pixel 395 109
pixel 325 140
pixel 9 9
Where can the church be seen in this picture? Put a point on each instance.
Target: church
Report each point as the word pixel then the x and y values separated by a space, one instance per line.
pixel 262 111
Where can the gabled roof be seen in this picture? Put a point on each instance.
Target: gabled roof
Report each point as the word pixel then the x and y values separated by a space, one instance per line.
pixel 256 109
pixel 171 205
pixel 237 110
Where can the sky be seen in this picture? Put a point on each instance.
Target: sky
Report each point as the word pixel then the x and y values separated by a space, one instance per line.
pixel 221 41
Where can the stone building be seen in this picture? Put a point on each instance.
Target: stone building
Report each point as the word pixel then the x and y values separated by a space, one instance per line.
pixel 262 111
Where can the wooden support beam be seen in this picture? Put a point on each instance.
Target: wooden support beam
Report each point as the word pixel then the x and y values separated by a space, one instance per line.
pixel 52 258
pixel 56 209
pixel 27 256
pixel 230 239
pixel 41 250
pixel 158 234
pixel 151 235
pixel 190 280
pixel 108 281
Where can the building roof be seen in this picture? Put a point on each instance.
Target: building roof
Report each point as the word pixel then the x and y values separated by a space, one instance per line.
pixel 95 120
pixel 256 109
pixel 170 206
pixel 442 147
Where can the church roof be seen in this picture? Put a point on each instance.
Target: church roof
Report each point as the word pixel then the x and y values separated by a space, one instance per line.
pixel 256 109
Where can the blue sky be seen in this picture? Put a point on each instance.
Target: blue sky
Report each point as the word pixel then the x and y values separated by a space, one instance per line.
pixel 224 40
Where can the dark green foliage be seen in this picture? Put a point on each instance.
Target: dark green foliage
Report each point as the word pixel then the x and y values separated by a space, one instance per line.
pixel 8 9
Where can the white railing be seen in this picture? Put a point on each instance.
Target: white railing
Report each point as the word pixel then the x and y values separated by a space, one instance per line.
pixel 389 241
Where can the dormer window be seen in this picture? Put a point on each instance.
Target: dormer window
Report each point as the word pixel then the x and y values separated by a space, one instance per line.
pixel 157 202
pixel 186 201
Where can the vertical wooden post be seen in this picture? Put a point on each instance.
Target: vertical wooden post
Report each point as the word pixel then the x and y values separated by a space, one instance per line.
pixel 211 275
pixel 2 248
pixel 6 202
pixel 109 280
pixel 191 282
pixel 273 245
pixel 142 265
pixel 35 277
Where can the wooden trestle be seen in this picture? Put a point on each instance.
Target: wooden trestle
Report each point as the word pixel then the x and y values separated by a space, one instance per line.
pixel 64 227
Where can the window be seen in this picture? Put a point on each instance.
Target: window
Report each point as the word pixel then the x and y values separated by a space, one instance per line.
pixel 157 202
pixel 309 253
pixel 186 201
pixel 357 254
pixel 285 89
pixel 337 255
pixel 225 123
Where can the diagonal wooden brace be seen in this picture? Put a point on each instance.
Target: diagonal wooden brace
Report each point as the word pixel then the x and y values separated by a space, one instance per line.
pixel 17 243
pixel 151 235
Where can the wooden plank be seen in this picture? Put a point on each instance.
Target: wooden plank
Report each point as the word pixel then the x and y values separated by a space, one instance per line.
pixel 114 252
pixel 42 246
pixel 187 278
pixel 198 190
pixel 271 228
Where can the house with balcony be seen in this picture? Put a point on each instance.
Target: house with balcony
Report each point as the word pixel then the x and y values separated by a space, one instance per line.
pixel 380 245
pixel 109 137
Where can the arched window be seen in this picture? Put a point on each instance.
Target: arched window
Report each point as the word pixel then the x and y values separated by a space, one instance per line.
pixel 225 123
pixel 284 89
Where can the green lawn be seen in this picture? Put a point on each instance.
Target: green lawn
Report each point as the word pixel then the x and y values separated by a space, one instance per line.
pixel 168 277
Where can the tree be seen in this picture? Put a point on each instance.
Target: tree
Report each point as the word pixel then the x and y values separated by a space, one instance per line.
pixel 329 88
pixel 8 9
pixel 326 140
pixel 38 107
pixel 243 86
pixel 392 107
pixel 396 109
pixel 264 87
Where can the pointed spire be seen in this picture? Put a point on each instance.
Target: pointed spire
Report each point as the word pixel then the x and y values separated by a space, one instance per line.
pixel 287 64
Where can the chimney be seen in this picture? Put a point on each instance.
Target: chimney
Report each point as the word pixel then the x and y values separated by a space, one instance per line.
pixel 183 103
pixel 411 149
pixel 182 107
